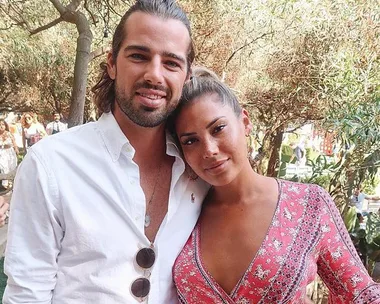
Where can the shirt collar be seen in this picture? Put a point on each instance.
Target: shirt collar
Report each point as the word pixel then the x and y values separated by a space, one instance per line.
pixel 116 142
pixel 114 139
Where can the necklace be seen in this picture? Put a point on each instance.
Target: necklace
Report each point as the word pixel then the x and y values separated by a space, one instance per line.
pixel 147 216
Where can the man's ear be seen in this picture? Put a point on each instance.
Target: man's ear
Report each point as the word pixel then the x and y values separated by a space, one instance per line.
pixel 188 76
pixel 111 66
pixel 246 121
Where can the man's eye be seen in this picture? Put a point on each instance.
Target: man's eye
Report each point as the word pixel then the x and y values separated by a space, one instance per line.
pixel 137 56
pixel 172 64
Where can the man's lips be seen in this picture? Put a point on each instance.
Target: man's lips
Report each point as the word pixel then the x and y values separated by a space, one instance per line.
pixel 151 98
pixel 151 94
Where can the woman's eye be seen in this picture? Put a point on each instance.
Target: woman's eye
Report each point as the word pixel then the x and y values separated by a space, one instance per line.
pixel 189 142
pixel 219 128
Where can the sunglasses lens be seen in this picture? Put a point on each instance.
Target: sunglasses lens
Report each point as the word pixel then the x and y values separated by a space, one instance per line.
pixel 145 258
pixel 140 288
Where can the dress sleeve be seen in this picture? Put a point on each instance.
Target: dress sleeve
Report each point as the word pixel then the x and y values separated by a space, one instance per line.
pixel 339 265
pixel 34 234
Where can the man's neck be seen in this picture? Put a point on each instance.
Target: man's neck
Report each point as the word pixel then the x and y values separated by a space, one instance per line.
pixel 147 142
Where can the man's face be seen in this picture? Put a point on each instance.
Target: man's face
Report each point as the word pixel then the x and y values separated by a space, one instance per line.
pixel 150 68
pixel 56 117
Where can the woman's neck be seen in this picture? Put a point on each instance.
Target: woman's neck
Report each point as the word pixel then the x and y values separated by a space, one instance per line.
pixel 246 188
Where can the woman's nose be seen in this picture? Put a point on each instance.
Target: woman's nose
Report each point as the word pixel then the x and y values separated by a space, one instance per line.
pixel 210 148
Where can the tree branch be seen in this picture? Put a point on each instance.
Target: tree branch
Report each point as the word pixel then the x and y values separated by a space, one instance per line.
pixel 59 7
pixel 21 20
pixel 46 26
pixel 245 45
pixel 99 52
pixel 89 11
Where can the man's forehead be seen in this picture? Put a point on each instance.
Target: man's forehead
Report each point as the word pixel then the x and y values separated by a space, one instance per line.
pixel 142 23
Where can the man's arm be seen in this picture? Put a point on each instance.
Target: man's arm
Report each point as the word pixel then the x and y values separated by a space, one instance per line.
pixel 371 197
pixel 34 234
pixel 49 128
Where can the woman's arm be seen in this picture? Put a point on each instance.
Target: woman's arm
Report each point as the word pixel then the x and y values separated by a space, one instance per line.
pixel 24 140
pixel 14 143
pixel 338 263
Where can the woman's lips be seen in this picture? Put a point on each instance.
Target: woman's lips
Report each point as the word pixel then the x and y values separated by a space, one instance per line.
pixel 218 166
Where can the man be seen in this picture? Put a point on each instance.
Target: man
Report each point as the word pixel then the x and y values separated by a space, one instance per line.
pixel 56 125
pixel 100 212
pixel 298 153
pixel 358 198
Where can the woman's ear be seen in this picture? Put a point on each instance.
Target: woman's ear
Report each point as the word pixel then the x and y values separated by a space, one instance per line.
pixel 111 66
pixel 246 121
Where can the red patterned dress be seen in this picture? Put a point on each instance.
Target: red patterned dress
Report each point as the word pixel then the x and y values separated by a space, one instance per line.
pixel 307 236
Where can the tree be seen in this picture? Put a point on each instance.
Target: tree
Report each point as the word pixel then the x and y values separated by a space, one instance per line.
pixel 33 17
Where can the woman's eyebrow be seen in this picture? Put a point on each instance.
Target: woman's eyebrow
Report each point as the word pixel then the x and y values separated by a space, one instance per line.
pixel 208 126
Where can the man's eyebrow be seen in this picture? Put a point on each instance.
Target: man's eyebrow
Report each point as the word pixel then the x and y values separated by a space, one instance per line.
pixel 174 56
pixel 147 50
pixel 137 48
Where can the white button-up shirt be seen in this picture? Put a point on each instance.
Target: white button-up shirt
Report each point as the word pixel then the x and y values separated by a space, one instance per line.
pixel 77 221
pixel 57 126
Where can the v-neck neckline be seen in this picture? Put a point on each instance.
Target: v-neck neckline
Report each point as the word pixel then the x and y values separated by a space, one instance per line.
pixel 208 276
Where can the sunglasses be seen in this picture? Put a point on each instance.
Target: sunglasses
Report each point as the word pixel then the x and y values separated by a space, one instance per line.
pixel 145 259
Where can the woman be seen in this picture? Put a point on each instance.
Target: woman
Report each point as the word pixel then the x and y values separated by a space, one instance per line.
pixel 8 150
pixel 33 131
pixel 258 239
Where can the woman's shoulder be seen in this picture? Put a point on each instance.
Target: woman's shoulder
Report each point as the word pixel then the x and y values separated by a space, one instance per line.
pixel 305 193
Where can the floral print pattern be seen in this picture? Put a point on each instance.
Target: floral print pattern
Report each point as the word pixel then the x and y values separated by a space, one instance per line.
pixel 307 236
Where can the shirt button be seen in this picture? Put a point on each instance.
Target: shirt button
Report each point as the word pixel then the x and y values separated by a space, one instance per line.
pixel 132 182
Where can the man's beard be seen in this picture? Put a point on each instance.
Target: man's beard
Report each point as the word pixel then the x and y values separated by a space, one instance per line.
pixel 145 116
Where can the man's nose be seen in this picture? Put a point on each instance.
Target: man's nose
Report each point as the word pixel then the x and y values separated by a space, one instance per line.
pixel 154 72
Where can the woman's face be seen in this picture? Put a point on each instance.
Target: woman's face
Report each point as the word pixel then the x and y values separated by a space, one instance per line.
pixel 213 139
pixel 28 119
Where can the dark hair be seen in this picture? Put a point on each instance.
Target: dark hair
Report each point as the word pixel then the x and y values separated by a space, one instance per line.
pixel 5 123
pixel 104 90
pixel 202 82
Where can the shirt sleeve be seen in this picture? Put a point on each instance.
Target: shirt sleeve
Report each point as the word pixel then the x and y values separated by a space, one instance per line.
pixel 34 234
pixel 49 128
pixel 339 265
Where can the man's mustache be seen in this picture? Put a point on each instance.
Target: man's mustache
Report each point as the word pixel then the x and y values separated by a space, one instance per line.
pixel 147 85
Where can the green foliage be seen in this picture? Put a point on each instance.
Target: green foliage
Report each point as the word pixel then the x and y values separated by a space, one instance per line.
pixel 3 278
pixel 286 153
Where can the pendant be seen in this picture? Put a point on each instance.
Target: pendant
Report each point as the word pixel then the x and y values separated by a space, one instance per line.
pixel 147 221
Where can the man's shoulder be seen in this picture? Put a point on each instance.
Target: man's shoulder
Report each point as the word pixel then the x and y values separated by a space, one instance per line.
pixel 84 134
